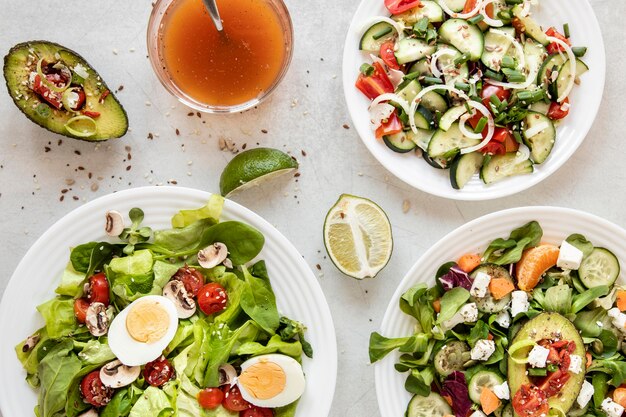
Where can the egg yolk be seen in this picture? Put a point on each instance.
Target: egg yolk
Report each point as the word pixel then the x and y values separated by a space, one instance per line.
pixel 263 380
pixel 147 321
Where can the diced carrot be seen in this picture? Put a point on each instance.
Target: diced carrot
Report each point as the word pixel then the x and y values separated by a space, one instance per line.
pixel 621 300
pixel 437 305
pixel 500 287
pixel 489 401
pixel 619 396
pixel 469 262
pixel 589 359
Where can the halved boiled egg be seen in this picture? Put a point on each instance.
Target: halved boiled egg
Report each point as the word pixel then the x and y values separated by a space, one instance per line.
pixel 140 332
pixel 271 380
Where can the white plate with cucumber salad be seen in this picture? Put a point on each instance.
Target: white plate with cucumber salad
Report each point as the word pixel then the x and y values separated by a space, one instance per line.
pixel 176 303
pixel 473 99
pixel 520 312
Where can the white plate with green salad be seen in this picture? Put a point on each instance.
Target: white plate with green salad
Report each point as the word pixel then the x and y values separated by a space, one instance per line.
pixel 473 99
pixel 165 301
pixel 516 313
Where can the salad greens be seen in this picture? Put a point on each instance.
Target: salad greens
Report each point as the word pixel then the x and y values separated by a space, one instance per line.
pixel 60 354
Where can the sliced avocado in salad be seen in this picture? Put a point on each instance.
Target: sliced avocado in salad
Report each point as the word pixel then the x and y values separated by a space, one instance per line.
pixel 58 90
pixel 546 329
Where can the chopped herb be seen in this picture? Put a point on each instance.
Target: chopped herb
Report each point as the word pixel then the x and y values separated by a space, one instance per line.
pixel 367 69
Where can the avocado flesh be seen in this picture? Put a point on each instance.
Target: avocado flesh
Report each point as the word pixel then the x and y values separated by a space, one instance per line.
pixel 112 122
pixel 548 326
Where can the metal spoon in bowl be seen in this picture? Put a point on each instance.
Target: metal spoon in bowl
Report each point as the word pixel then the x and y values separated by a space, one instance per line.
pixel 211 7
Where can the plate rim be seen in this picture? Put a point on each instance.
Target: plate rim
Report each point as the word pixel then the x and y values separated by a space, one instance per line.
pixel 448 192
pixel 231 207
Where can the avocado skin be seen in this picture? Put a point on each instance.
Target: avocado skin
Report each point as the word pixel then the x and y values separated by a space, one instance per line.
pixel 547 326
pixel 116 124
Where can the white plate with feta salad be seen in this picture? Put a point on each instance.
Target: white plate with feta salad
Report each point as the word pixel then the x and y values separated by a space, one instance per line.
pixel 470 86
pixel 517 313
pixel 192 273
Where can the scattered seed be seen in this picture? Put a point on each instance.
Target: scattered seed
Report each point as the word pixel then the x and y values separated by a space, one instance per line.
pixel 406 205
pixel 177 132
pixel 150 136
pixel 94 186
pixel 303 153
pixel 346 126
pixel 128 168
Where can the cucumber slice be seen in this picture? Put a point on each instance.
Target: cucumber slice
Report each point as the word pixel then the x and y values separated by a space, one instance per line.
pixel 463 169
pixel 451 357
pixel 438 162
pixel 500 167
pixel 447 143
pixel 455 5
pixel 451 116
pixel 422 67
pixel 565 75
pixel 496 47
pixel 507 411
pixel 434 102
pixel 488 304
pixel 451 72
pixel 399 142
pixel 410 49
pixel 423 118
pixel 481 380
pixel 464 36
pixel 376 35
pixel 541 143
pixel 429 9
pixel 431 406
pixel 601 267
pixel 422 138
pixel 409 91
pixel 551 63
pixel 531 28
pixel 534 55
pixel 540 107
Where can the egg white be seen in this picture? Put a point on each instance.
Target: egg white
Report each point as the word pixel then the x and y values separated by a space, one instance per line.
pixel 132 352
pixel 294 384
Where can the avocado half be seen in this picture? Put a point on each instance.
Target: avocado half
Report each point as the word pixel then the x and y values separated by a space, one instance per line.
pixel 548 326
pixel 21 61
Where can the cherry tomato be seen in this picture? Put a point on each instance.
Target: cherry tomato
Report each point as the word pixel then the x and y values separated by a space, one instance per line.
pixel 257 412
pixel 493 148
pixel 553 383
pixel 212 298
pixel 233 401
pixel 387 55
pixel 80 310
pixel 469 6
pixel 98 289
pixel 375 84
pixel 510 144
pixel 192 279
pixel 158 372
pixel 52 97
pixel 93 391
pixel 399 6
pixel 391 126
pixel 530 401
pixel 493 90
pixel 558 111
pixel 210 398
pixel 554 47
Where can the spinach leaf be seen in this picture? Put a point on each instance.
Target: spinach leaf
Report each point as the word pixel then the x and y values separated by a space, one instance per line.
pixel 56 371
pixel 381 346
pixel 275 344
pixel 606 345
pixel 122 402
pixel 259 302
pixel 90 257
pixel 58 314
pixel 211 211
pixel 419 382
pixel 580 242
pixel 182 240
pixel 244 242
pixel 294 330
pixel 480 331
pixel 591 322
pixel 504 252
pixel 451 302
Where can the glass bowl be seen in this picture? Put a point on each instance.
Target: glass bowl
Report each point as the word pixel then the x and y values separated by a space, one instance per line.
pixel 155 38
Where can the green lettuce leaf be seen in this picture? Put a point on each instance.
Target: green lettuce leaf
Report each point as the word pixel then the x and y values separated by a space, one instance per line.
pixel 274 345
pixel 94 352
pixel 57 371
pixel 153 402
pixel 58 314
pixel 71 282
pixel 30 359
pixel 211 211
pixel 122 402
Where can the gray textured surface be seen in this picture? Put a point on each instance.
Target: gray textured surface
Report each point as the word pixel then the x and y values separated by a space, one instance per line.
pixel 307 113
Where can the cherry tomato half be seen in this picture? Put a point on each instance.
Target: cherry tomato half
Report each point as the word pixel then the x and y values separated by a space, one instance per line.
pixel 530 401
pixel 558 111
pixel 493 90
pixel 212 298
pixel 98 289
pixel 93 391
pixel 257 412
pixel 192 279
pixel 233 401
pixel 375 84
pixel 210 398
pixel 52 97
pixel 399 6
pixel 388 56
pixel 80 310
pixel 554 47
pixel 391 126
pixel 158 372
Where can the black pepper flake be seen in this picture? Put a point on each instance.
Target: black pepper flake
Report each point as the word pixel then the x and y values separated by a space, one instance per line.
pixel 177 132
pixel 81 168
pixel 303 153
pixel 173 182
pixel 60 142
pixel 244 146
pixel 150 136
pixel 297 174
pixel 190 114
pixel 63 191
pixel 263 130
pixel 128 168
pixel 120 88
pixel 62 198
pixel 89 175
pixel 47 149
pixel 198 114
pixel 77 152
pixel 346 126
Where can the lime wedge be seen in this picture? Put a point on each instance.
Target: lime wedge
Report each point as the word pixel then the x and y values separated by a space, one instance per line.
pixel 253 167
pixel 357 235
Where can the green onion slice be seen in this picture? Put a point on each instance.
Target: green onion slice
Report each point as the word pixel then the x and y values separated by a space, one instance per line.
pixel 81 126
pixel 520 346
pixel 65 99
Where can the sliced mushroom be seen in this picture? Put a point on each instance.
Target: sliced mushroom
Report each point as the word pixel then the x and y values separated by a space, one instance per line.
pixel 90 413
pixel 185 305
pixel 114 223
pixel 228 374
pixel 228 263
pixel 30 342
pixel 117 375
pixel 97 319
pixel 213 255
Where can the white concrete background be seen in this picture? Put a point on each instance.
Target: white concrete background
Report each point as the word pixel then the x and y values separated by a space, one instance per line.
pixel 307 112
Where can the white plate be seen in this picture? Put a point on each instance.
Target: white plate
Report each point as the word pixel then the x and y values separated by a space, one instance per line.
pixel 585 100
pixel 475 236
pixel 297 291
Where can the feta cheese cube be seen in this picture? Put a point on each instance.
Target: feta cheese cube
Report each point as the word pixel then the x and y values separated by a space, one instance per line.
pixel 519 303
pixel 466 314
pixel 575 364
pixel 570 256
pixel 586 392
pixel 538 356
pixel 480 285
pixel 482 350
pixel 504 319
pixel 611 408
pixel 478 413
pixel 502 391
pixel 618 319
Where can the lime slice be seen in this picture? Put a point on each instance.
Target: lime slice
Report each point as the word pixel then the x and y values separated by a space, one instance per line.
pixel 253 167
pixel 357 235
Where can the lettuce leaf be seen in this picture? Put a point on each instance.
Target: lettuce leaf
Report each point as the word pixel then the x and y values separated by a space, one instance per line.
pixel 211 211
pixel 58 314
pixel 71 281
pixel 259 302
pixel 274 345
pixel 153 402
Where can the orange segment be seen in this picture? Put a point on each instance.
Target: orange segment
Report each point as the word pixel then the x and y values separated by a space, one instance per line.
pixel 534 263
pixel 489 401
